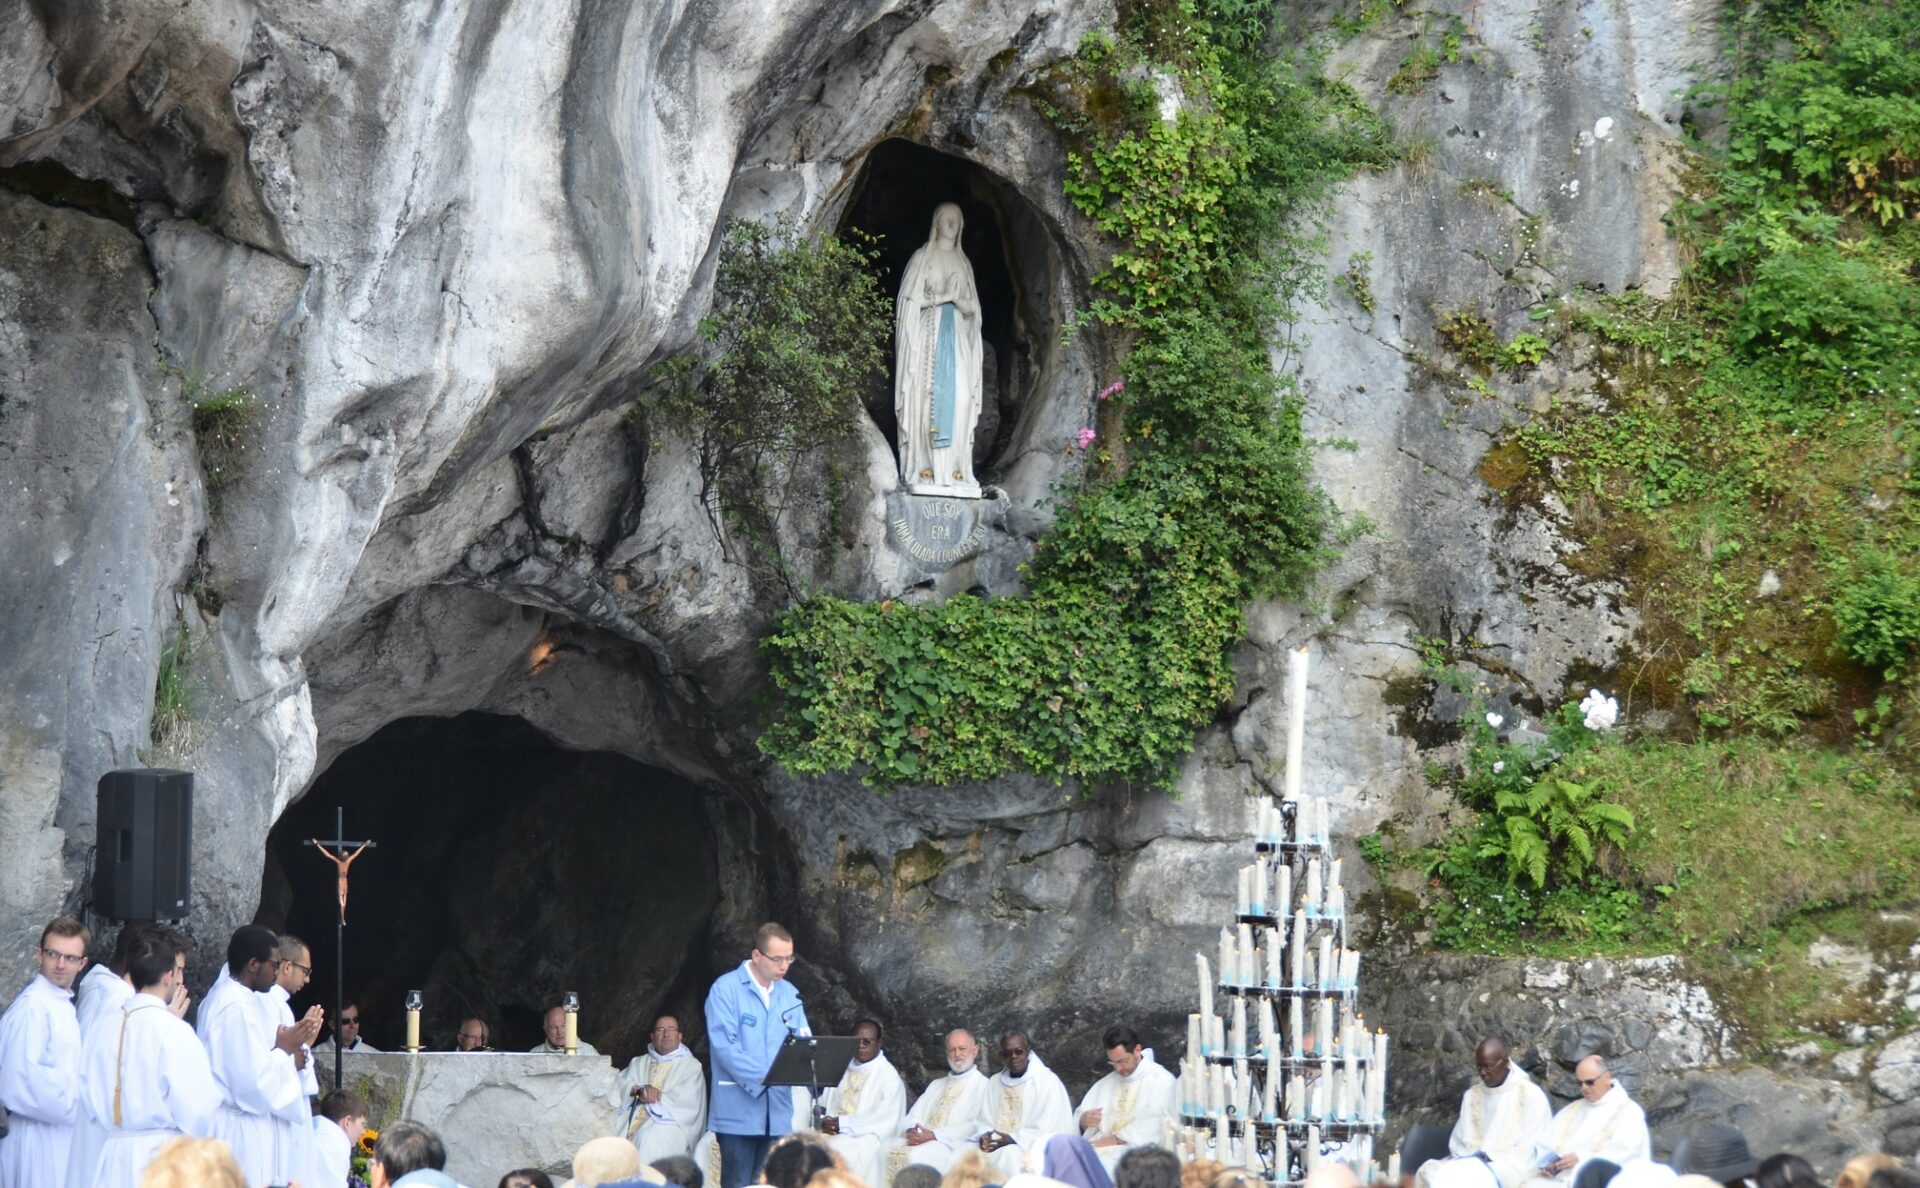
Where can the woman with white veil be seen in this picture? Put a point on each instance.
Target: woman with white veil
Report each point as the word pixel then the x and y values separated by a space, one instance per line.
pixel 937 370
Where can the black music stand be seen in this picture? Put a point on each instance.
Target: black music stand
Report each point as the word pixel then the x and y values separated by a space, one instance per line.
pixel 811 1062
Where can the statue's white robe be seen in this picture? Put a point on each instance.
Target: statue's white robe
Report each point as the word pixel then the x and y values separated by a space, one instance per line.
pixel 673 1124
pixel 954 1108
pixel 100 995
pixel 261 1099
pixel 39 1084
pixel 1613 1128
pixel 1503 1124
pixel 166 1087
pixel 1136 1109
pixel 870 1102
pixel 1032 1109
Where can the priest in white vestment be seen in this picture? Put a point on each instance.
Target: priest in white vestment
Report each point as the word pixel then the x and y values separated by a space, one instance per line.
pixel 1027 1105
pixel 1131 1106
pixel 661 1097
pixel 867 1108
pixel 296 970
pixel 554 1027
pixel 1501 1119
pixel 261 1098
pixel 99 994
pixel 145 1078
pixel 1604 1124
pixel 40 1063
pixel 950 1115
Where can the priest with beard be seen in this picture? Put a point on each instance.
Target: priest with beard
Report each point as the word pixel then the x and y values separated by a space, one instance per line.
pixel 1028 1105
pixel 1500 1120
pixel 1604 1124
pixel 867 1107
pixel 1131 1106
pixel 662 1096
pixel 950 1115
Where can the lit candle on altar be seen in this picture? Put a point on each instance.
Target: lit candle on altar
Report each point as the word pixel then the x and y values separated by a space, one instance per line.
pixel 1299 948
pixel 1296 1098
pixel 1313 1149
pixel 414 1004
pixel 1270 1087
pixel 1218 1027
pixel 1273 958
pixel 1296 719
pixel 1268 1027
pixel 1283 897
pixel 1324 966
pixel 1257 881
pixel 1393 1167
pixel 1250 1146
pixel 1353 969
pixel 570 1006
pixel 1323 1031
pixel 1222 1139
pixel 1296 1032
pixel 1380 1076
pixel 1244 950
pixel 1239 1027
pixel 1312 903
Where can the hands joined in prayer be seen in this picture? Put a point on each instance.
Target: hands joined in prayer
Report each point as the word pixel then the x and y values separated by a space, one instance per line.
pixel 1564 1163
pixel 993 1140
pixel 829 1125
pixel 1090 1120
pixel 646 1094
pixel 917 1134
pixel 291 1039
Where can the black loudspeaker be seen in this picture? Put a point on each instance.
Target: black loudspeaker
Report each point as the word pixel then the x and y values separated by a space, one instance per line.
pixel 143 867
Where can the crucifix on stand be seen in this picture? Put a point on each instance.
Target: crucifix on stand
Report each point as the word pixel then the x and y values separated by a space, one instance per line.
pixel 337 852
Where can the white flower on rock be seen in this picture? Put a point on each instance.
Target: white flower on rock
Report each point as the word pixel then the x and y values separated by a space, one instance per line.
pixel 1599 710
pixel 1499 765
pixel 1495 720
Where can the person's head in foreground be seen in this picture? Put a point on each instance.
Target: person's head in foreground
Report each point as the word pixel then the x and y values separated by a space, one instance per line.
pixel 1200 1173
pixel 1071 1159
pixel 526 1177
pixel 793 1159
pixel 193 1163
pixel 1151 1167
pixel 916 1175
pixel 680 1171
pixel 1861 1167
pixel 347 1110
pixel 407 1150
pixel 968 1170
pixel 1331 1175
pixel 604 1161
pixel 1893 1177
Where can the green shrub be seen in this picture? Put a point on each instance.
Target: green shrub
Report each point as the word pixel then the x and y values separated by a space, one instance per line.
pixel 1829 312
pixel 1877 610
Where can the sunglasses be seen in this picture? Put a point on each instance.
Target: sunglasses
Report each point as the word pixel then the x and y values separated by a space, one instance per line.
pixel 1588 1083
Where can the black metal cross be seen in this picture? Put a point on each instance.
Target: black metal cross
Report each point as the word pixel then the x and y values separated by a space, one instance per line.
pixel 341 853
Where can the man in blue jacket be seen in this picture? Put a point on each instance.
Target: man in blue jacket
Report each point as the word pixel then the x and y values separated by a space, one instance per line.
pixel 750 1013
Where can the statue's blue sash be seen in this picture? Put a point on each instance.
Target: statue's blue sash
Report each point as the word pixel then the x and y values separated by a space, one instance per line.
pixel 944 381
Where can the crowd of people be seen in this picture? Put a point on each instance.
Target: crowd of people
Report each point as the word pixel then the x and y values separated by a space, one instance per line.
pixel 112 1088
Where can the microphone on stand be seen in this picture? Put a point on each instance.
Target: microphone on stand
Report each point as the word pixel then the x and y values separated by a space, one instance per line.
pixel 784 1015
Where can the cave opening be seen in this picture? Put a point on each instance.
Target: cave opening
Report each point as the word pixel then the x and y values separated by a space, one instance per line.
pixel 894 197
pixel 508 871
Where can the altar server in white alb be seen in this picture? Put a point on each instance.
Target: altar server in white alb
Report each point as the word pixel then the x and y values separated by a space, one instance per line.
pixel 1604 1124
pixel 1501 1119
pixel 99 995
pixel 1028 1105
pixel 661 1097
pixel 296 970
pixel 1131 1106
pixel 254 1059
pixel 40 1063
pixel 867 1108
pixel 145 1079
pixel 950 1115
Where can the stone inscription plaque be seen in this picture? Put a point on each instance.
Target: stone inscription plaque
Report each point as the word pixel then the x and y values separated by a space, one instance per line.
pixel 938 531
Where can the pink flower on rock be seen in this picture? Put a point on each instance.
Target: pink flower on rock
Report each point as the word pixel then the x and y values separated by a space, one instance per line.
pixel 1084 438
pixel 1113 389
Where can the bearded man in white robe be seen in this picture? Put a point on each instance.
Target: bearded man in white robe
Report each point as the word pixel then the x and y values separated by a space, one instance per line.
pixel 296 970
pixel 1604 1124
pixel 866 1108
pixel 1131 1106
pixel 662 1096
pixel 1500 1120
pixel 145 1079
pixel 254 1059
pixel 40 1062
pixel 1028 1105
pixel 950 1115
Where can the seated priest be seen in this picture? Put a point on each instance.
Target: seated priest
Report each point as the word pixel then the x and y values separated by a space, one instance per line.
pixel 866 1109
pixel 1501 1118
pixel 1132 1106
pixel 949 1117
pixel 1604 1124
pixel 555 1026
pixel 1028 1105
pixel 662 1095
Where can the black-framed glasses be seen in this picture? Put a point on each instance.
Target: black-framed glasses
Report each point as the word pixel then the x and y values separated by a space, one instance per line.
pixel 59 958
pixel 789 959
pixel 1589 1082
pixel 305 969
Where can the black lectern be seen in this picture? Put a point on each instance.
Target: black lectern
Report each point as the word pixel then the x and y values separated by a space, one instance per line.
pixel 812 1062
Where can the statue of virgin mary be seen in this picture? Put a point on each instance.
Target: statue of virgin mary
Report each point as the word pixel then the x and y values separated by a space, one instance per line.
pixel 937 376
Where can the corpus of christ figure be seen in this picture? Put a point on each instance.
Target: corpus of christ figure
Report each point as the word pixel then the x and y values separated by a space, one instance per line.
pixel 342 863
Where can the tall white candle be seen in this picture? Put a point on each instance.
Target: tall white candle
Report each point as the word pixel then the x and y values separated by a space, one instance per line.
pixel 1206 984
pixel 1241 893
pixel 1296 1033
pixel 1312 892
pixel 1273 958
pixel 1193 1035
pixel 1321 832
pixel 1323 1031
pixel 1313 1149
pixel 1244 949
pixel 1380 1072
pixel 1227 960
pixel 1270 1087
pixel 1283 898
pixel 1222 1140
pixel 1324 966
pixel 1296 719
pixel 1250 1148
pixel 1393 1168
pixel 1296 1098
pixel 1239 1027
pixel 1333 881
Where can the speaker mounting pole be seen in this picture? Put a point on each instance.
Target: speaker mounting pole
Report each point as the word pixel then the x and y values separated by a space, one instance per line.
pixel 341 852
